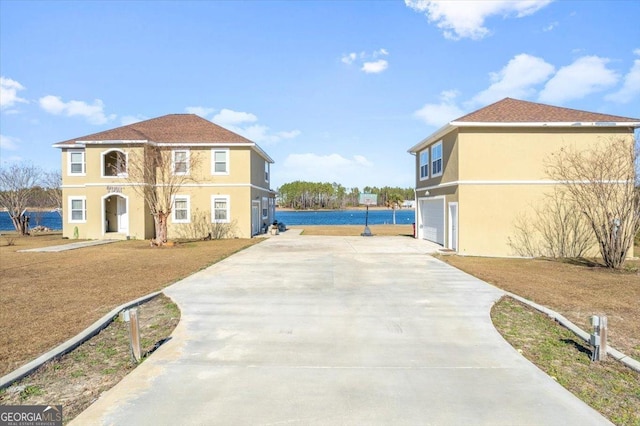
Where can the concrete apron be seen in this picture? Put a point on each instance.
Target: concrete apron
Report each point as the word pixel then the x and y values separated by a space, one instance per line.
pixel 336 330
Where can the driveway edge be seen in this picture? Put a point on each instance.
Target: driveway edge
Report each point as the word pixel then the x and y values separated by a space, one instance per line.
pixel 71 344
pixel 619 356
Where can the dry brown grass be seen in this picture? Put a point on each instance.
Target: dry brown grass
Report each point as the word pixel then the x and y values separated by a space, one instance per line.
pixel 355 230
pixel 78 378
pixel 577 291
pixel 48 298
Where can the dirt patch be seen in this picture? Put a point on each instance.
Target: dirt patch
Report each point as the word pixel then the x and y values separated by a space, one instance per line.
pixel 608 386
pixel 77 379
pixel 48 298
pixel 576 291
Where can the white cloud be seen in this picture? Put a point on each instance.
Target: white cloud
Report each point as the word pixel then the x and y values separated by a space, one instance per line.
pixel 9 92
pixel 585 76
pixel 8 143
pixel 550 27
pixel 130 119
pixel 465 19
pixel 349 58
pixel 631 86
pixel 227 117
pixel 324 168
pixel 201 111
pixel 240 123
pixel 375 67
pixel 93 113
pixel 441 113
pixel 517 79
pixel 368 62
pixel 381 52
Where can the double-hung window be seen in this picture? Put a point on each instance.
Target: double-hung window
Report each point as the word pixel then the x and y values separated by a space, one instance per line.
pixel 265 207
pixel 266 171
pixel 180 162
pixel 436 159
pixel 220 162
pixel 220 209
pixel 181 209
pixel 76 163
pixel 77 209
pixel 424 164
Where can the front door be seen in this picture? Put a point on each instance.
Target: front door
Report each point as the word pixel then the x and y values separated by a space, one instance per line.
pixel 123 216
pixel 255 217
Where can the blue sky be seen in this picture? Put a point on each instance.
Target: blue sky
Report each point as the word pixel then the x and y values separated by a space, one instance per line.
pixel 333 90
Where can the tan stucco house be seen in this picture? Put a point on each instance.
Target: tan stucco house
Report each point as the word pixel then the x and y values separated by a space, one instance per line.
pixel 231 179
pixel 477 174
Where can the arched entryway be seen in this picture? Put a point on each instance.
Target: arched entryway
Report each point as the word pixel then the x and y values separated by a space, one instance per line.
pixel 115 215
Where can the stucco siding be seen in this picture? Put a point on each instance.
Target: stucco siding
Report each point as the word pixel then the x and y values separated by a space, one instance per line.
pixel 488 154
pixel 488 215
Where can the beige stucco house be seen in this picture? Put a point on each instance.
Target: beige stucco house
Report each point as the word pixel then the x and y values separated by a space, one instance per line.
pixel 476 175
pixel 231 179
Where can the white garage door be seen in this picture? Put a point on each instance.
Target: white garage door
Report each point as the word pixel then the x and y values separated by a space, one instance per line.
pixel 432 212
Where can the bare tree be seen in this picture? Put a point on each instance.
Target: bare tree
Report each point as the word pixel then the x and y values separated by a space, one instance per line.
pixel 17 183
pixel 156 175
pixel 601 182
pixel 52 183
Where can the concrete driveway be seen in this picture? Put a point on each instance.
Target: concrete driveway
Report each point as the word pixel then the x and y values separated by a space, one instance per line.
pixel 336 331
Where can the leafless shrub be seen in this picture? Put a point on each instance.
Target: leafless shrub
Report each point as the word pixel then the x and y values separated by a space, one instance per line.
pixel 201 228
pixel 558 229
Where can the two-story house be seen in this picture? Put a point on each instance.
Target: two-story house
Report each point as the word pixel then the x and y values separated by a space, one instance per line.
pixel 477 174
pixel 231 179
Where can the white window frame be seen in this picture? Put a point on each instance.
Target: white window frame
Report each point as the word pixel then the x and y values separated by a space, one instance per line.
pixel 434 160
pixel 83 199
pixel 70 171
pixel 226 161
pixel 213 208
pixel 187 160
pixel 126 164
pixel 422 165
pixel 267 171
pixel 265 207
pixel 174 219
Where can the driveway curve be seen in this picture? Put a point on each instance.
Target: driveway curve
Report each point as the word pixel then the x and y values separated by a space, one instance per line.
pixel 302 330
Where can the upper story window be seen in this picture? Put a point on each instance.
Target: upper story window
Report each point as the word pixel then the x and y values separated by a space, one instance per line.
pixel 76 164
pixel 180 159
pixel 424 164
pixel 114 164
pixel 181 209
pixel 436 159
pixel 220 162
pixel 267 167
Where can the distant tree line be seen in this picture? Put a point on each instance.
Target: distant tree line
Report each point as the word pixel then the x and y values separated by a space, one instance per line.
pixel 301 195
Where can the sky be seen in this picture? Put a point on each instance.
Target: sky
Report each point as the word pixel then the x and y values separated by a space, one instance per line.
pixel 333 91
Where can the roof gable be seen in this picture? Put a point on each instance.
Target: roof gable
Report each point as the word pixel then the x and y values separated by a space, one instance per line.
pixel 511 110
pixel 172 128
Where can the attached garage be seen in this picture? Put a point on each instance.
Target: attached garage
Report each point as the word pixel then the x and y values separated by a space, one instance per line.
pixel 432 220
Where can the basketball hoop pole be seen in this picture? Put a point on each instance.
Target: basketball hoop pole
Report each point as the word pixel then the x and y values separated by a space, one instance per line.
pixel 366 217
pixel 367 199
